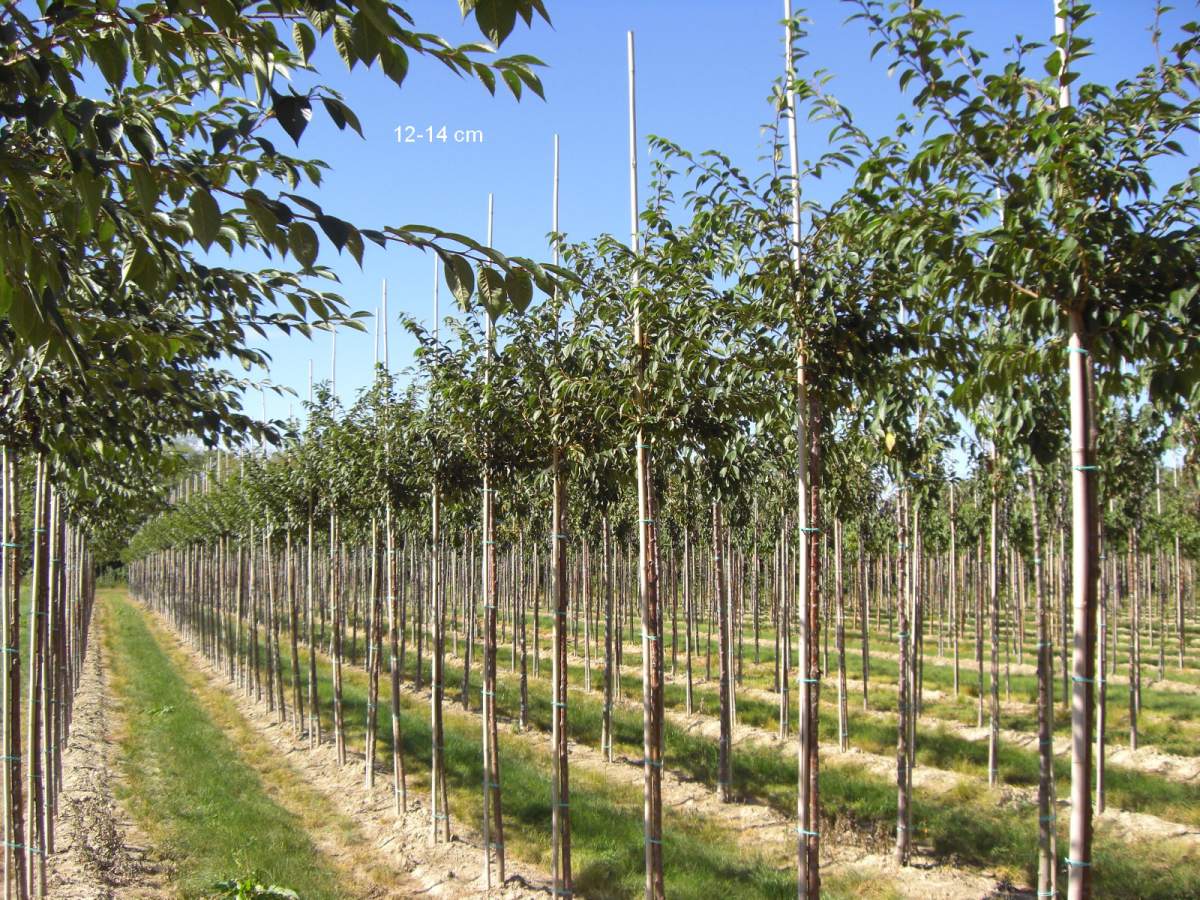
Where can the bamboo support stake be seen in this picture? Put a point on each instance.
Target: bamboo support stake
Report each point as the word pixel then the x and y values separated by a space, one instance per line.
pixel 807 800
pixel 652 688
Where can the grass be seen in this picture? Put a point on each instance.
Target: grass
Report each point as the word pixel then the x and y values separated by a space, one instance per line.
pixel 187 784
pixel 967 824
pixel 937 746
pixel 1169 721
pixel 606 818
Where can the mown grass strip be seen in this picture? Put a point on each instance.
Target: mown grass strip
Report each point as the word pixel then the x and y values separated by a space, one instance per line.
pixel 185 782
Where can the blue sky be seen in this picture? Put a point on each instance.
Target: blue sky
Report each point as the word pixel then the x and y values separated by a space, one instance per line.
pixel 705 70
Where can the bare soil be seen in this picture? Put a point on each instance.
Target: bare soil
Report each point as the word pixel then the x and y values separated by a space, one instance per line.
pixel 99 852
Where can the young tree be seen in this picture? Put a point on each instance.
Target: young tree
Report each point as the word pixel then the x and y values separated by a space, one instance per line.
pixel 1089 255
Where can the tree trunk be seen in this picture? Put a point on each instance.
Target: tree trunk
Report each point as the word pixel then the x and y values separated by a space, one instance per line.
pixel 725 744
pixel 652 656
pixel 1135 639
pixel 560 785
pixel 1047 867
pixel 809 518
pixel 338 615
pixel 843 710
pixel 15 868
pixel 689 618
pixel 953 587
pixel 314 717
pixel 606 735
pixel 1106 592
pixel 1083 586
pixel 493 829
pixel 903 773
pixel 994 606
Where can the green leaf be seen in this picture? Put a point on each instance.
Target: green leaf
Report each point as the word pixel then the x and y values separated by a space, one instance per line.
pixel 108 131
pixel 302 240
pixel 367 39
pixel 519 287
pixel 109 54
pixel 337 230
pixel 143 140
pixel 487 76
pixel 513 80
pixel 146 187
pixel 265 217
pixel 293 112
pixel 205 216
pixel 306 41
pixel 6 295
pixel 354 244
pixel 27 319
pixel 491 291
pixel 460 279
pixel 223 13
pixel 344 42
pixel 341 114
pixel 394 61
pixel 496 19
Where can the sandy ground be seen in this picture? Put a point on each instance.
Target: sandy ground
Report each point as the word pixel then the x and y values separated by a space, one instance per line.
pixel 99 854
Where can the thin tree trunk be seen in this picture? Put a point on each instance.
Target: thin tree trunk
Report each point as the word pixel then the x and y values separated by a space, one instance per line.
pixel 560 785
pixel 903 851
pixel 15 867
pixel 1135 640
pixel 994 606
pixel 725 743
pixel 652 687
pixel 1083 586
pixel 606 729
pixel 843 711
pixel 1047 868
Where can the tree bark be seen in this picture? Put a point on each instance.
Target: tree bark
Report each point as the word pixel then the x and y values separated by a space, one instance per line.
pixel 1047 867
pixel 1083 587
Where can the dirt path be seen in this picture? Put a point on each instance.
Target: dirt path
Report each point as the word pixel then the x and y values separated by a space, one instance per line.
pixel 763 832
pixel 100 853
pixel 760 829
pixel 398 843
pixel 1120 822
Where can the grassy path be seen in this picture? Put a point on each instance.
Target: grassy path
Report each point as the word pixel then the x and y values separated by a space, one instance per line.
pixel 196 793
